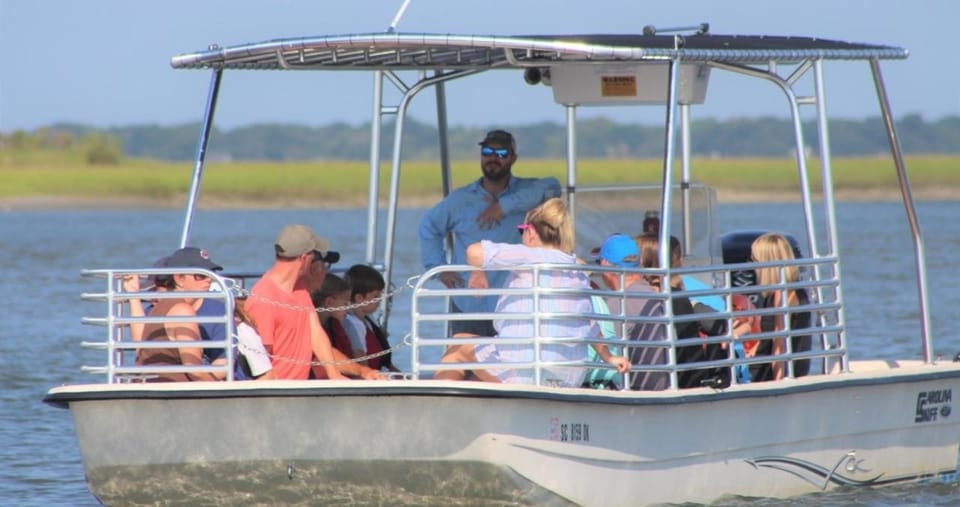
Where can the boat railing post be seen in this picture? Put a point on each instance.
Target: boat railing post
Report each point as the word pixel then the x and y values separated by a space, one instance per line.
pixel 666 200
pixel 829 202
pixel 927 339
pixel 537 346
pixel 373 190
pixel 401 112
pixel 571 110
pixel 114 355
pixel 205 127
pixel 685 175
pixel 446 177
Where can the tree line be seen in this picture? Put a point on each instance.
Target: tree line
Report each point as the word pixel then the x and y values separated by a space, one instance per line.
pixel 597 138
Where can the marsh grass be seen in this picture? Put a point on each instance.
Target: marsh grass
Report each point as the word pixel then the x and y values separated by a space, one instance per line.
pixel 346 182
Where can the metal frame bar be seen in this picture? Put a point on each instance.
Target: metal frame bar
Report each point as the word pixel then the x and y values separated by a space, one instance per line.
pixel 206 125
pixel 918 249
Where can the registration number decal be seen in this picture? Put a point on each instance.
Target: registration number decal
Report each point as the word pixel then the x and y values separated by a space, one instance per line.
pixel 569 431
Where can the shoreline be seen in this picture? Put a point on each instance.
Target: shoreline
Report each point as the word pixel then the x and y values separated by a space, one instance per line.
pixel 724 195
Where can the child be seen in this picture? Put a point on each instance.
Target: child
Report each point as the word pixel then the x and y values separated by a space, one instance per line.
pixel 254 360
pixel 333 293
pixel 366 286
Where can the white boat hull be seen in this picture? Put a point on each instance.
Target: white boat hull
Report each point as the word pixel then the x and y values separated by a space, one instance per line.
pixel 429 441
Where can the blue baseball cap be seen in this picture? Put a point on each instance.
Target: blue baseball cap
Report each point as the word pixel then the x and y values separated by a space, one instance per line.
pixel 620 250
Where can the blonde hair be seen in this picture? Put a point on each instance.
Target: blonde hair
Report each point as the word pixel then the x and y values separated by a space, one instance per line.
pixel 553 225
pixel 772 247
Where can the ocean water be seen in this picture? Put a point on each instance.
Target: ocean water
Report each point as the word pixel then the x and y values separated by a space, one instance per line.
pixel 44 252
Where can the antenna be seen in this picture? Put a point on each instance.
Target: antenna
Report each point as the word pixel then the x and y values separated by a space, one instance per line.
pixel 396 18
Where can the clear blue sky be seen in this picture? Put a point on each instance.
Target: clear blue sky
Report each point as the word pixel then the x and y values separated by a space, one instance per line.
pixel 106 62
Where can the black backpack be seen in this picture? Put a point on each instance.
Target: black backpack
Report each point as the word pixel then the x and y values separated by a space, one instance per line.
pixel 700 352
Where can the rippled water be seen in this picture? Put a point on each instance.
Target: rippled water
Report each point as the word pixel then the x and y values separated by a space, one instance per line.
pixel 44 252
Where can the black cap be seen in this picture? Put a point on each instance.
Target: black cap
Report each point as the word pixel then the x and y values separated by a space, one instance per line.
pixel 498 138
pixel 191 257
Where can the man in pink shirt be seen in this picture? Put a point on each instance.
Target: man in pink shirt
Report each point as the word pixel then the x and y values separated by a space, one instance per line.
pixel 283 313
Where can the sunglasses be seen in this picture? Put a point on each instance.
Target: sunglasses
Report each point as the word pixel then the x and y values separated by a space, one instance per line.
pixel 198 277
pixel 487 151
pixel 524 227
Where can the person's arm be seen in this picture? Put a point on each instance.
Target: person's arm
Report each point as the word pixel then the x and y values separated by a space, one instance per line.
pixel 355 369
pixel 433 232
pixel 475 254
pixel 621 363
pixel 529 194
pixel 320 343
pixel 187 331
pixel 131 283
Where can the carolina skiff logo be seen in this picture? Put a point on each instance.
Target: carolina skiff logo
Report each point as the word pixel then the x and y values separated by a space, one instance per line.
pixel 934 404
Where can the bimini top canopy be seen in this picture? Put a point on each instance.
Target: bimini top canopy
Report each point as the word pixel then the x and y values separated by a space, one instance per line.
pixel 425 51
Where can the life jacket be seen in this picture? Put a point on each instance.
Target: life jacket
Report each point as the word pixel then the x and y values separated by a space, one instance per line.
pixel 338 340
pixel 376 341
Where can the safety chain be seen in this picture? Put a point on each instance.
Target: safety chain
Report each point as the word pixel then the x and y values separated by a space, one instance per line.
pixel 240 292
pixel 404 343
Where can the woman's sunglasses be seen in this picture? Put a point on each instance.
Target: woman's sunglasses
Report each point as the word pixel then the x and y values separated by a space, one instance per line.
pixel 523 227
pixel 487 151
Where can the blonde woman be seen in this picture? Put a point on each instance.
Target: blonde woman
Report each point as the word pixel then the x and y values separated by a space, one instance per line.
pixel 547 236
pixel 773 247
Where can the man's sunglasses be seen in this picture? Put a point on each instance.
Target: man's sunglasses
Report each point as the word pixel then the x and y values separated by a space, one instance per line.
pixel 487 151
pixel 330 258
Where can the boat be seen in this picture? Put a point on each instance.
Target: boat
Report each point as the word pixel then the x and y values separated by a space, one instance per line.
pixel 850 423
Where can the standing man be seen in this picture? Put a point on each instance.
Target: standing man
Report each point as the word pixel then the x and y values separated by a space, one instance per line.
pixel 490 208
pixel 283 313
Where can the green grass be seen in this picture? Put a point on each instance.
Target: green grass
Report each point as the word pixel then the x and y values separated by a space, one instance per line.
pixel 36 173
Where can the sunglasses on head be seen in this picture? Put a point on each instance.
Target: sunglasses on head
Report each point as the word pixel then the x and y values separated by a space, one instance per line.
pixel 487 151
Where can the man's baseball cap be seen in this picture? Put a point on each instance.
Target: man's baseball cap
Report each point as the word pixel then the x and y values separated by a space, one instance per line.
pixel 620 250
pixel 498 138
pixel 296 240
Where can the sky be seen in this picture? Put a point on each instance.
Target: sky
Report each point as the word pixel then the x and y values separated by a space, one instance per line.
pixel 106 63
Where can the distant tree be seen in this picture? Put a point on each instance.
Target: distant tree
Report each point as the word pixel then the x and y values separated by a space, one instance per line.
pixel 596 138
pixel 102 149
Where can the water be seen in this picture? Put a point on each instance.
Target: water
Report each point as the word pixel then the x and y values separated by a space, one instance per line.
pixel 45 251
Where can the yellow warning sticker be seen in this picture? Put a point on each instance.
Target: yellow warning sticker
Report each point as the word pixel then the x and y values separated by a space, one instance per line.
pixel 618 86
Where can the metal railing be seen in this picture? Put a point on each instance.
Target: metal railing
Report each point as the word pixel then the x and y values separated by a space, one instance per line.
pixel 119 342
pixel 430 319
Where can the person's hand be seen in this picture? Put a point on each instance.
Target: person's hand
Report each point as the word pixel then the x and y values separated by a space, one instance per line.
pixel 741 326
pixel 478 280
pixel 491 216
pixel 622 363
pixel 334 374
pixel 131 283
pixel 451 280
